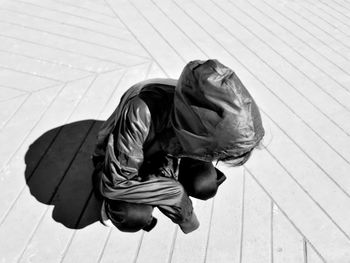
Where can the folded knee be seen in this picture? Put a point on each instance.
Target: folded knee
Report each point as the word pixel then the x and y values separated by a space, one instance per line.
pixel 130 217
pixel 199 178
pixel 204 189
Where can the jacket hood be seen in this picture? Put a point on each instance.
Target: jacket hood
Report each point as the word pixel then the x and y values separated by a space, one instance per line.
pixel 214 115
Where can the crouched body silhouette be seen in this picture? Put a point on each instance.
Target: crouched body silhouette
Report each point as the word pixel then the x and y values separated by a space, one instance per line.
pixel 157 147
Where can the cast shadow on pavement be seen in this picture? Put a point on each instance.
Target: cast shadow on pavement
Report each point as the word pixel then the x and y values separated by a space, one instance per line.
pixel 59 172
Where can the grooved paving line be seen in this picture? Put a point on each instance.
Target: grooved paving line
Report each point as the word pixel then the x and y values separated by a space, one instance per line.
pixel 52 52
pixel 64 66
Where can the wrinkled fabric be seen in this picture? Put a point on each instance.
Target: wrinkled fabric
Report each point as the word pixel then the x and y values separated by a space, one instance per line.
pixel 206 115
pixel 136 168
pixel 214 114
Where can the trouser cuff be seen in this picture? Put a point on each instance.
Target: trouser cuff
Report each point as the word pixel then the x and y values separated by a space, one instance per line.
pixel 189 225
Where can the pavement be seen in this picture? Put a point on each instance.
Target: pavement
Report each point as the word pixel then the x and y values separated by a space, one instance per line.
pixel 64 66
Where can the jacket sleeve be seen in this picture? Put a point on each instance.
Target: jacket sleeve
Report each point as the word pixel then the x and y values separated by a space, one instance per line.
pixel 123 159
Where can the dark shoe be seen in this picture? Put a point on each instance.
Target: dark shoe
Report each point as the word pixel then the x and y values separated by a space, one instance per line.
pixel 151 225
pixel 220 177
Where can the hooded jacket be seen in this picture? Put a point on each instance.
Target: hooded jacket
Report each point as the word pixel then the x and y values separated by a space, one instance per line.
pixel 207 114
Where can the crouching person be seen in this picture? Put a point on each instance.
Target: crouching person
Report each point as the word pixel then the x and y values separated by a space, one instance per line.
pixel 157 147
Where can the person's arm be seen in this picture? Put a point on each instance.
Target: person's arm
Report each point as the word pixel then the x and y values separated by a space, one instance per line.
pixel 124 158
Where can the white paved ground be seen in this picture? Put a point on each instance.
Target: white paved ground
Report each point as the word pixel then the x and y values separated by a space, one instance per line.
pixel 63 67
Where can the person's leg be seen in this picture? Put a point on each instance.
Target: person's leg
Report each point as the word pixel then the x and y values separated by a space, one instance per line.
pixel 200 179
pixel 130 217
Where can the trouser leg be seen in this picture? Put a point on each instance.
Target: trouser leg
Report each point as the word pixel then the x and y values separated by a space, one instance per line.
pixel 182 213
pixel 127 217
pixel 130 217
pixel 200 179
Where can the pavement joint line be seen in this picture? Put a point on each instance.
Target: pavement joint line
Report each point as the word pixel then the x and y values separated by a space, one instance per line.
pixel 13 114
pixel 86 204
pixel 91 193
pixel 64 50
pixel 99 114
pixel 57 85
pixel 85 8
pixel 137 39
pixel 126 67
pixel 70 164
pixel 72 238
pixel 12 98
pixel 315 250
pixel 73 38
pixel 67 246
pixel 271 231
pixel 329 15
pixel 158 32
pixel 300 54
pixel 68 82
pixel 335 10
pixel 300 39
pixel 280 75
pixel 213 200
pixel 22 190
pixel 342 6
pixel 42 157
pixel 149 68
pixel 37 122
pixel 343 2
pixel 68 13
pixel 1 169
pixel 302 149
pixel 290 84
pixel 314 24
pixel 208 235
pixel 32 74
pixel 287 217
pixel 21 254
pixel 63 23
pixel 63 83
pixel 15 88
pixel 46 61
pixel 303 28
pixel 172 245
pixel 122 24
pixel 64 173
pixel 266 86
pixel 305 153
pixel 305 250
pixel 305 8
pixel 100 256
pixel 180 29
pixel 242 215
pixel 139 247
pixel 309 195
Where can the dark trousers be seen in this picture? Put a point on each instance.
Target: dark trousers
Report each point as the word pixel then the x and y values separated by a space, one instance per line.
pixel 199 179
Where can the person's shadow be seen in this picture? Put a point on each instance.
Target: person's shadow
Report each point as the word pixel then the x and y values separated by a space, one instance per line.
pixel 59 172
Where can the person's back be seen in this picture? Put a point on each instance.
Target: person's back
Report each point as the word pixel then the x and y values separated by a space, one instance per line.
pixel 162 127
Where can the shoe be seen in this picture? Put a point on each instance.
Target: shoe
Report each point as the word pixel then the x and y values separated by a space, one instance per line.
pixel 151 225
pixel 220 177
